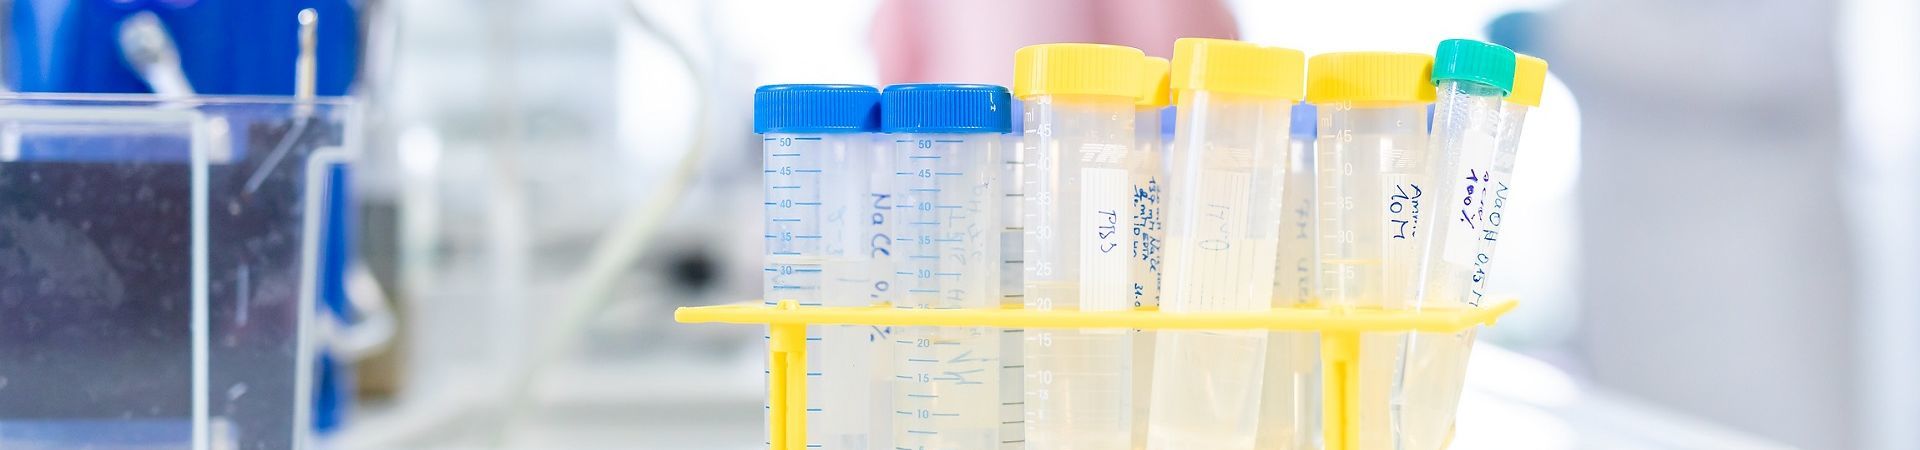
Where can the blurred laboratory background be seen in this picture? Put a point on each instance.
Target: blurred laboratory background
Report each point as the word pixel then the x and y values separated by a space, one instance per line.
pixel 1715 248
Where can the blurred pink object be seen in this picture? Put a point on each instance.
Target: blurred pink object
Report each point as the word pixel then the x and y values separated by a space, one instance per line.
pixel 972 41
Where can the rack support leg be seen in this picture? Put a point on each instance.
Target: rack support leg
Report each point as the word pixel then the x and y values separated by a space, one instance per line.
pixel 1340 378
pixel 787 384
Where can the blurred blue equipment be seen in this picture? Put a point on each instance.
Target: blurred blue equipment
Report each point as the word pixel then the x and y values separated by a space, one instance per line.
pixel 205 47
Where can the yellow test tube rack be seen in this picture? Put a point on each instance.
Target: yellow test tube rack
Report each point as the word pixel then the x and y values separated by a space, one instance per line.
pixel 1339 330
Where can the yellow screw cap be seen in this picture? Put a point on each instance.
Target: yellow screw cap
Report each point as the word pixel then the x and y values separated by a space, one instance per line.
pixel 1153 83
pixel 1529 75
pixel 1076 69
pixel 1221 65
pixel 1370 77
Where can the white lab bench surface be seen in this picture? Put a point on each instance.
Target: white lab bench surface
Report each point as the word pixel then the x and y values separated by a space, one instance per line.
pixel 1516 402
pixel 708 404
pixel 1512 402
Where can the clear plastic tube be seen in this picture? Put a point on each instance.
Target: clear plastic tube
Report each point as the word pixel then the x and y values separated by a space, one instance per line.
pixel 1466 123
pixel 820 200
pixel 1296 274
pixel 1289 405
pixel 1466 130
pixel 872 237
pixel 1079 151
pixel 1471 124
pixel 1012 293
pixel 1370 160
pixel 1445 366
pixel 1513 117
pixel 1146 210
pixel 946 255
pixel 1227 166
pixel 1149 233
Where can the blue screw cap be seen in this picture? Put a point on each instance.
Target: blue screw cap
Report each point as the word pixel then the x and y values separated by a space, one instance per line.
pixel 1306 122
pixel 946 108
pixel 816 108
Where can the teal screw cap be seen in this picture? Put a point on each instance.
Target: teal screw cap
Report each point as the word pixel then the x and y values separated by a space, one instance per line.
pixel 1471 60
